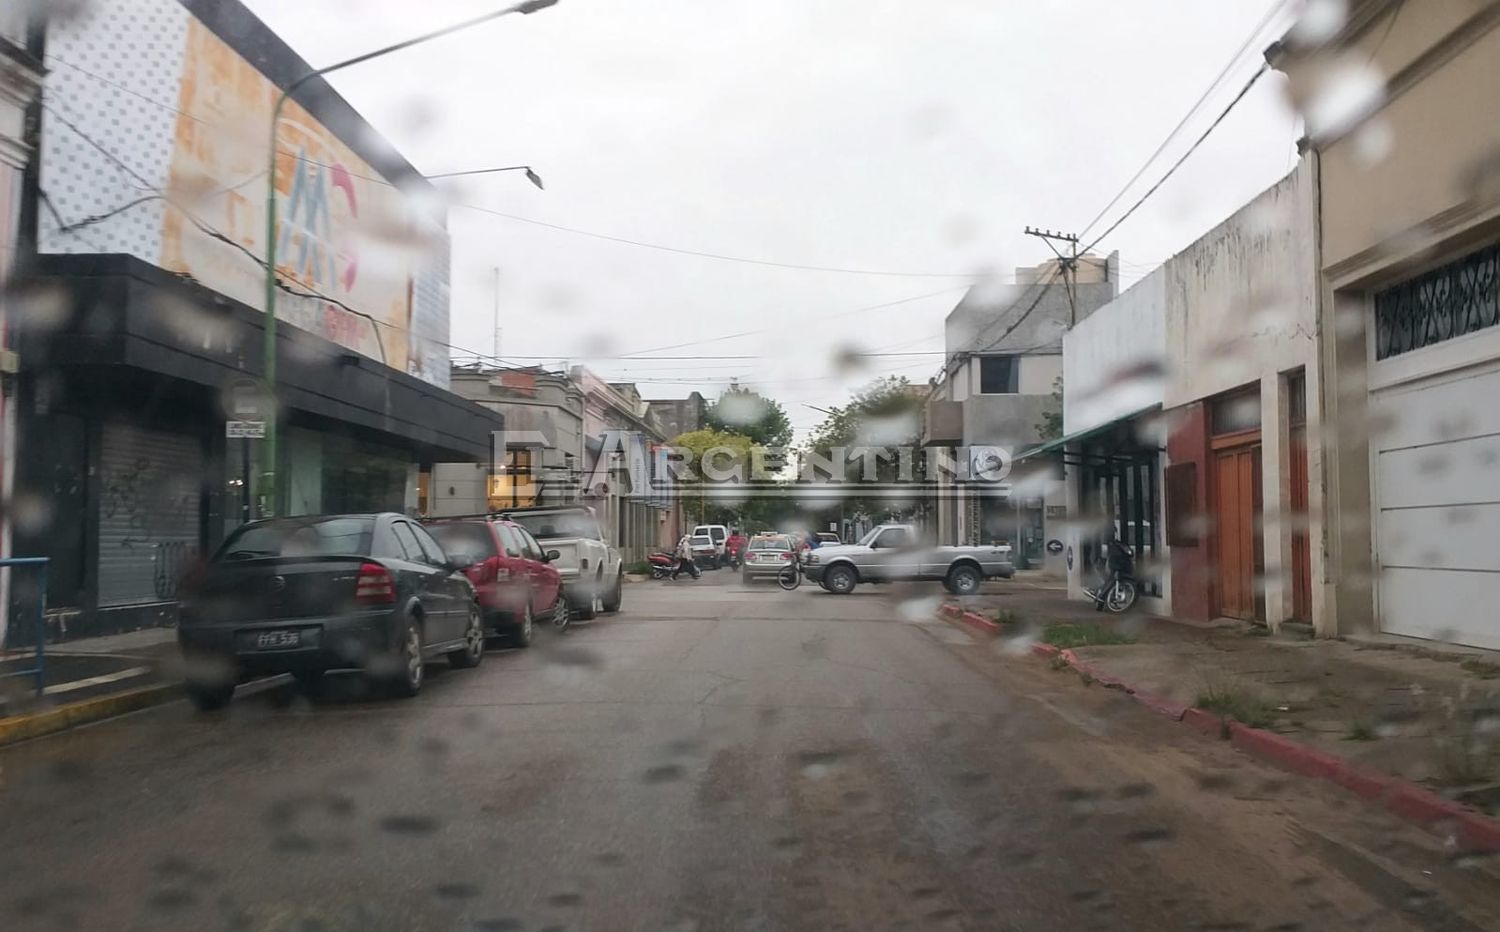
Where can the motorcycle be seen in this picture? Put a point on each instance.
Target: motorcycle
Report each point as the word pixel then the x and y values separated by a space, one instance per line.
pixel 1116 590
pixel 662 565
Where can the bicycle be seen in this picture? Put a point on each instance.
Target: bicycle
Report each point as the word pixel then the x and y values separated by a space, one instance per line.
pixel 791 575
pixel 1116 590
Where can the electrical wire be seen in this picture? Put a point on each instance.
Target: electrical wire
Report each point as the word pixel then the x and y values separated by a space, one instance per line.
pixel 1259 73
pixel 712 255
pixel 678 250
pixel 713 357
pixel 1271 14
pixel 833 316
pixel 73 227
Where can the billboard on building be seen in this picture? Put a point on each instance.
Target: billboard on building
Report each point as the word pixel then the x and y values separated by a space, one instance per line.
pixel 168 107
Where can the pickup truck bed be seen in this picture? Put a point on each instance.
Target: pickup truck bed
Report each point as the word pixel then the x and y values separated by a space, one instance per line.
pixel 889 553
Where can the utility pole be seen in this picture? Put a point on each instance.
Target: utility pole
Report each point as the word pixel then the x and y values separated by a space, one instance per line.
pixel 497 315
pixel 1068 262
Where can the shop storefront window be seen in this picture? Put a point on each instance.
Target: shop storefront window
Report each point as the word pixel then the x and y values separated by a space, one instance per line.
pixel 515 486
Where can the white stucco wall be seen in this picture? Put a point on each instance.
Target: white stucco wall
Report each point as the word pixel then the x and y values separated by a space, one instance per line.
pixel 1038 373
pixel 1242 301
pixel 1112 361
pixel 1241 310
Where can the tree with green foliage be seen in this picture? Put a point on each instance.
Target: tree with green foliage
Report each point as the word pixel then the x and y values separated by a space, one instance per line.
pixel 1051 425
pixel 882 418
pixel 714 500
pixel 750 414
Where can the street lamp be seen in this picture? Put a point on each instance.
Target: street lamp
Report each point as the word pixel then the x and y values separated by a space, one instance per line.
pixel 267 491
pixel 531 176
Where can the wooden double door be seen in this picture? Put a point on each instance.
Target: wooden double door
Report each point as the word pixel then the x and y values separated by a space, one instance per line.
pixel 1236 491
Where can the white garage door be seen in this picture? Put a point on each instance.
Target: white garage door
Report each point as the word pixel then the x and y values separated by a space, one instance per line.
pixel 1436 452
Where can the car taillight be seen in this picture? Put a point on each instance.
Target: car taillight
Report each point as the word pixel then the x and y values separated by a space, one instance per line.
pixel 487 570
pixel 374 585
pixel 751 558
pixel 786 557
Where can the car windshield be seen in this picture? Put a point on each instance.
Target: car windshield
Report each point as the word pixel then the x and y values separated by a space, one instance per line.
pixel 560 524
pixel 416 420
pixel 299 537
pixel 464 541
pixel 870 535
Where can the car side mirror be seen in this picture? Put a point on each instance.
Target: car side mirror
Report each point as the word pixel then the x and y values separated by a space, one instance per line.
pixel 553 555
pixel 459 563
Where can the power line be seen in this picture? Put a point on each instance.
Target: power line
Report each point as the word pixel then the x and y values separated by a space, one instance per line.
pixel 1271 14
pixel 1040 285
pixel 834 316
pixel 1035 302
pixel 630 358
pixel 73 227
pixel 712 255
pixel 1259 73
pixel 678 250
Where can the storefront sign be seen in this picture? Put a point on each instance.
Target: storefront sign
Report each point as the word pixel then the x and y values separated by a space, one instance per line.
pixel 245 430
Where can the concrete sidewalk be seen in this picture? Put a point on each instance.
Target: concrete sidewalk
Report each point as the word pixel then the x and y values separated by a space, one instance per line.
pixel 1424 713
pixel 87 679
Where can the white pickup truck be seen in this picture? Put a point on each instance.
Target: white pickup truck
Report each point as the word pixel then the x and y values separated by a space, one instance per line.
pixel 891 552
pixel 592 577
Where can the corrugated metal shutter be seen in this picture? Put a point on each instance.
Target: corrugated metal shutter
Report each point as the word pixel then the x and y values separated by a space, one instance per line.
pixel 150 499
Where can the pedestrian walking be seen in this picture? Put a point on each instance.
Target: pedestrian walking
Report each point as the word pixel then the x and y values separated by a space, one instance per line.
pixel 685 558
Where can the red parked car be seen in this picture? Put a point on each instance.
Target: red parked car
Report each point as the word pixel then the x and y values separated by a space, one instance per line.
pixel 512 575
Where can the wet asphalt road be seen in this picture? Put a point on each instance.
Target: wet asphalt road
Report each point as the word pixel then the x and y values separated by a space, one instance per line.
pixel 711 758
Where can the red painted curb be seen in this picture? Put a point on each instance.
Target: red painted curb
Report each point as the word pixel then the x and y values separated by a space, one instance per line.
pixel 1290 755
pixel 1468 829
pixel 1171 708
pixel 979 621
pixel 950 610
pixel 1204 722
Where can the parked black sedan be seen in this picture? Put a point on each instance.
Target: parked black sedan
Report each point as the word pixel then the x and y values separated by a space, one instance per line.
pixel 307 595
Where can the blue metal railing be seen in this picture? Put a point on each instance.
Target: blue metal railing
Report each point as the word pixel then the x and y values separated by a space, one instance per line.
pixel 40 670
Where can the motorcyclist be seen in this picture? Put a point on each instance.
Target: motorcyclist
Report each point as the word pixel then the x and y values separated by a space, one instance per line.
pixel 734 548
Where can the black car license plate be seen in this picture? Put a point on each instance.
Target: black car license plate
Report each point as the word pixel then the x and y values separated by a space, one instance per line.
pixel 276 640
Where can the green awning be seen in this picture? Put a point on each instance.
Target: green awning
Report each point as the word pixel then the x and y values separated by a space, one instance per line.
pixel 1057 446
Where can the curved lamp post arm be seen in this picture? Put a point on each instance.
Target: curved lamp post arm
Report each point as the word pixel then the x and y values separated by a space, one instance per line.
pixel 266 492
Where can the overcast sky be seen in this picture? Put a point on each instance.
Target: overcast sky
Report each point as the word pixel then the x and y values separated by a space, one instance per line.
pixel 865 134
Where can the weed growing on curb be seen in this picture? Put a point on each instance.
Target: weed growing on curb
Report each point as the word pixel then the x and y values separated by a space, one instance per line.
pixel 1067 636
pixel 1483 669
pixel 1243 707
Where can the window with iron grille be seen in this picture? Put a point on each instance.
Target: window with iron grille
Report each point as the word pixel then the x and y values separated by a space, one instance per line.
pixel 1458 298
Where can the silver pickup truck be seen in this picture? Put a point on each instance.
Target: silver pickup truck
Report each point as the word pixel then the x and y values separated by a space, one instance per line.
pixel 891 552
pixel 591 570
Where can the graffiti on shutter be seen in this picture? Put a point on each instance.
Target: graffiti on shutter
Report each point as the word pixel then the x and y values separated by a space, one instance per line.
pixel 149 506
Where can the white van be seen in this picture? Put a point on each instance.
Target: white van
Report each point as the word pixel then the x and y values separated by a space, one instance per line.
pixel 718 533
